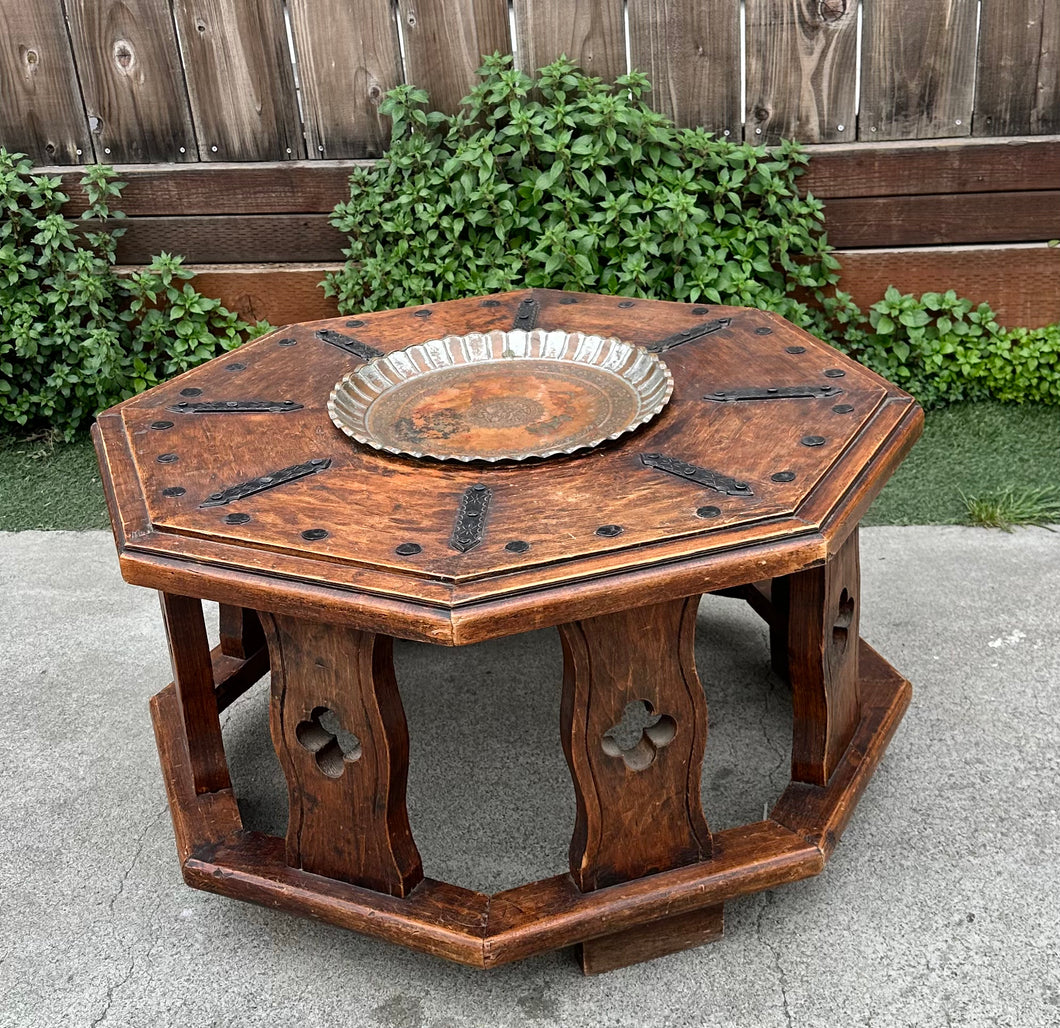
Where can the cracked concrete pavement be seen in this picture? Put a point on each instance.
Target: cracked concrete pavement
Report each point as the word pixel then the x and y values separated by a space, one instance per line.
pixel 940 906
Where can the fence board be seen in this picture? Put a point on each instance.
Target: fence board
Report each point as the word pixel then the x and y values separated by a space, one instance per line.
pixel 131 80
pixel 691 53
pixel 1015 280
pixel 938 219
pixel 240 79
pixel 1018 83
pixel 950 166
pixel 41 113
pixel 445 41
pixel 801 70
pixel 918 69
pixel 348 57
pixel 591 33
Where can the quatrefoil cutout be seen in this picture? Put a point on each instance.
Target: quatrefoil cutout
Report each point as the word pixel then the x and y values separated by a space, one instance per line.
pixel 639 736
pixel 844 619
pixel 330 743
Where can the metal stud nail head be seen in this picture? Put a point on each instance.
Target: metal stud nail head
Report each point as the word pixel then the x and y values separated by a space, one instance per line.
pixel 517 546
pixel 708 512
pixel 161 426
pixel 313 534
pixel 408 549
pixel 167 458
pixel 812 440
pixel 174 490
pixel 236 519
pixel 191 392
pixel 784 476
pixel 609 531
pixel 834 373
pixel 794 349
pixel 843 408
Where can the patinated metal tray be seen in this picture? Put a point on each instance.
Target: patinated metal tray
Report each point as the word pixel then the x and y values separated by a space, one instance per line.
pixel 501 395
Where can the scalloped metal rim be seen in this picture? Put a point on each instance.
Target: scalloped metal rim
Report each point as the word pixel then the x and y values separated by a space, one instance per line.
pixel 644 372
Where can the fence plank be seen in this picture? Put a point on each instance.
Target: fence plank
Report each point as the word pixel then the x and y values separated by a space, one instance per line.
pixel 1018 83
pixel 445 41
pixel 240 79
pixel 132 81
pixel 801 70
pixel 918 69
pixel 591 33
pixel 691 53
pixel 41 113
pixel 348 57
pixel 861 222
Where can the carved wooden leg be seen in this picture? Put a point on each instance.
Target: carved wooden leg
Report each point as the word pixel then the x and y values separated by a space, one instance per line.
pixel 340 734
pixel 823 663
pixel 193 678
pixel 634 731
pixel 241 634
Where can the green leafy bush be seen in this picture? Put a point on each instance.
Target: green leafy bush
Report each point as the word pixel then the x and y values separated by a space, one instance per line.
pixel 942 348
pixel 74 336
pixel 566 182
pixel 1024 365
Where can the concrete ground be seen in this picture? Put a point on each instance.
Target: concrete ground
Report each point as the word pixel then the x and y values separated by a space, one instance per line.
pixel 940 907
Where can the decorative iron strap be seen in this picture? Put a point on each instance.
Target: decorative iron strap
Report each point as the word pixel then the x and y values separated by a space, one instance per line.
pixel 686 335
pixel 773 393
pixel 470 524
pixel 270 481
pixel 349 344
pixel 701 476
pixel 526 315
pixel 235 407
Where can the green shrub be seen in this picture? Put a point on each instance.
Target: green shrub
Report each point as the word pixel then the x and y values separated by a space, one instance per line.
pixel 74 336
pixel 943 349
pixel 1025 365
pixel 566 182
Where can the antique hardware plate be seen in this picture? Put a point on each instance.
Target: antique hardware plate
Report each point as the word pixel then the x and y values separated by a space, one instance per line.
pixel 501 395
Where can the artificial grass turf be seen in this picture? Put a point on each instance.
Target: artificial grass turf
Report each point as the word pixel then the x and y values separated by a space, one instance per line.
pixel 974 449
pixel 971 449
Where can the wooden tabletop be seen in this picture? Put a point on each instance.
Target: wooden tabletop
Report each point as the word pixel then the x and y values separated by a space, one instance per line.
pixel 730 483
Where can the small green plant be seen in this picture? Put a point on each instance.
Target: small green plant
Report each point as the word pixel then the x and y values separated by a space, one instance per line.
pixel 933 346
pixel 566 182
pixel 1009 507
pixel 75 337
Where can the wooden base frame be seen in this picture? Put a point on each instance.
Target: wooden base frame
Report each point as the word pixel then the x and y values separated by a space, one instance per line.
pixel 614 924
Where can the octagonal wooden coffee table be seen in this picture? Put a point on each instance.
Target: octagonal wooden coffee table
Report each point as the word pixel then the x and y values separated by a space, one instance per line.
pixel 232 484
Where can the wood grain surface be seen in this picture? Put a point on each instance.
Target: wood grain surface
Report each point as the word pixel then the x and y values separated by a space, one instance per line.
pixel 364 507
pixel 41 110
pixel 240 79
pixel 801 70
pixel 339 731
pixel 822 611
pixel 348 58
pixel 642 658
pixel 690 53
pixel 1018 76
pixel 918 69
pixel 193 682
pixel 591 33
pixel 132 81
pixel 445 41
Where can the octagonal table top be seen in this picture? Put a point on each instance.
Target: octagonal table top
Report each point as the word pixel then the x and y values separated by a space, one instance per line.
pixel 768 453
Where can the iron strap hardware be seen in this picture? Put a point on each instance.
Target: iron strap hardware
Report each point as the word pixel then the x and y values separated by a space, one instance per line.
pixel 470 525
pixel 773 393
pixel 349 344
pixel 235 407
pixel 686 335
pixel 701 476
pixel 526 315
pixel 270 481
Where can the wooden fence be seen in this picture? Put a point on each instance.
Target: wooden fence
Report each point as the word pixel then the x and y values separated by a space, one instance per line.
pixel 174 81
pixel 235 122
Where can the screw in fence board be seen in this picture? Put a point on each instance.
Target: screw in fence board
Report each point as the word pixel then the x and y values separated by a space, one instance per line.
pixel 41 111
pixel 801 70
pixel 917 69
pixel 348 58
pixel 129 65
